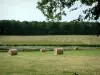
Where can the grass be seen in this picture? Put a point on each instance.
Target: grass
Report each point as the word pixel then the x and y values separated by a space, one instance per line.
pixel 50 39
pixel 82 62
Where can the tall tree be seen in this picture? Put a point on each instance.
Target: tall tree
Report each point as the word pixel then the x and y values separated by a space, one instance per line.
pixel 54 9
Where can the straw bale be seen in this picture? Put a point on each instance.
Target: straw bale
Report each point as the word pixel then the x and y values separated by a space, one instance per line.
pixel 58 51
pixel 13 51
pixel 42 49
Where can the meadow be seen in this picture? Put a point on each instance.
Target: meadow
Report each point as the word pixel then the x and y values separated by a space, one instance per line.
pixel 51 40
pixel 85 61
pixel 79 62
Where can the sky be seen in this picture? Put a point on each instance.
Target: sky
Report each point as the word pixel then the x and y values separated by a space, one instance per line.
pixel 25 10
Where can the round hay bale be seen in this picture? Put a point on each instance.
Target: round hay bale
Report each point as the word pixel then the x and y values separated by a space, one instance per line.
pixel 13 51
pixel 75 48
pixel 58 51
pixel 42 49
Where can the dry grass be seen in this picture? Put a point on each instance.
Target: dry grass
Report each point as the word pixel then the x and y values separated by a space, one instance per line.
pixel 84 62
pixel 50 39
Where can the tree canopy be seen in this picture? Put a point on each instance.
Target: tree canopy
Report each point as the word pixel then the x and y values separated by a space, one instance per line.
pixel 54 9
pixel 13 27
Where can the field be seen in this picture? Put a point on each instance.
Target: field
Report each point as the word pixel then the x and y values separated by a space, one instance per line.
pixel 85 61
pixel 80 62
pixel 51 39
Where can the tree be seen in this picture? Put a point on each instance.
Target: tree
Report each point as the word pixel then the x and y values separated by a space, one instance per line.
pixel 54 9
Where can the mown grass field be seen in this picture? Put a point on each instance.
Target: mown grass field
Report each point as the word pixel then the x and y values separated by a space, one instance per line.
pixel 81 62
pixel 50 39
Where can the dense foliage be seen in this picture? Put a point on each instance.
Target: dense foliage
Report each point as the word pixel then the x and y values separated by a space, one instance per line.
pixel 12 27
pixel 54 9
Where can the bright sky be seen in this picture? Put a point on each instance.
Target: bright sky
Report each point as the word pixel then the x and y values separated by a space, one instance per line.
pixel 26 10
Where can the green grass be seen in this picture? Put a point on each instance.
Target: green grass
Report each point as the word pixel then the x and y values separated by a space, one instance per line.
pixel 82 62
pixel 50 39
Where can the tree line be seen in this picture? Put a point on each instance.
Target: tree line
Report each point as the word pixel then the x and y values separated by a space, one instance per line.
pixel 13 27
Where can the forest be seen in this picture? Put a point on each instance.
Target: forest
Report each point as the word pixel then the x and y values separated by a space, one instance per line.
pixel 13 27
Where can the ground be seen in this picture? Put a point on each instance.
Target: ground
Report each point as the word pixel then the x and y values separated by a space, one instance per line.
pixel 81 62
pixel 51 39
